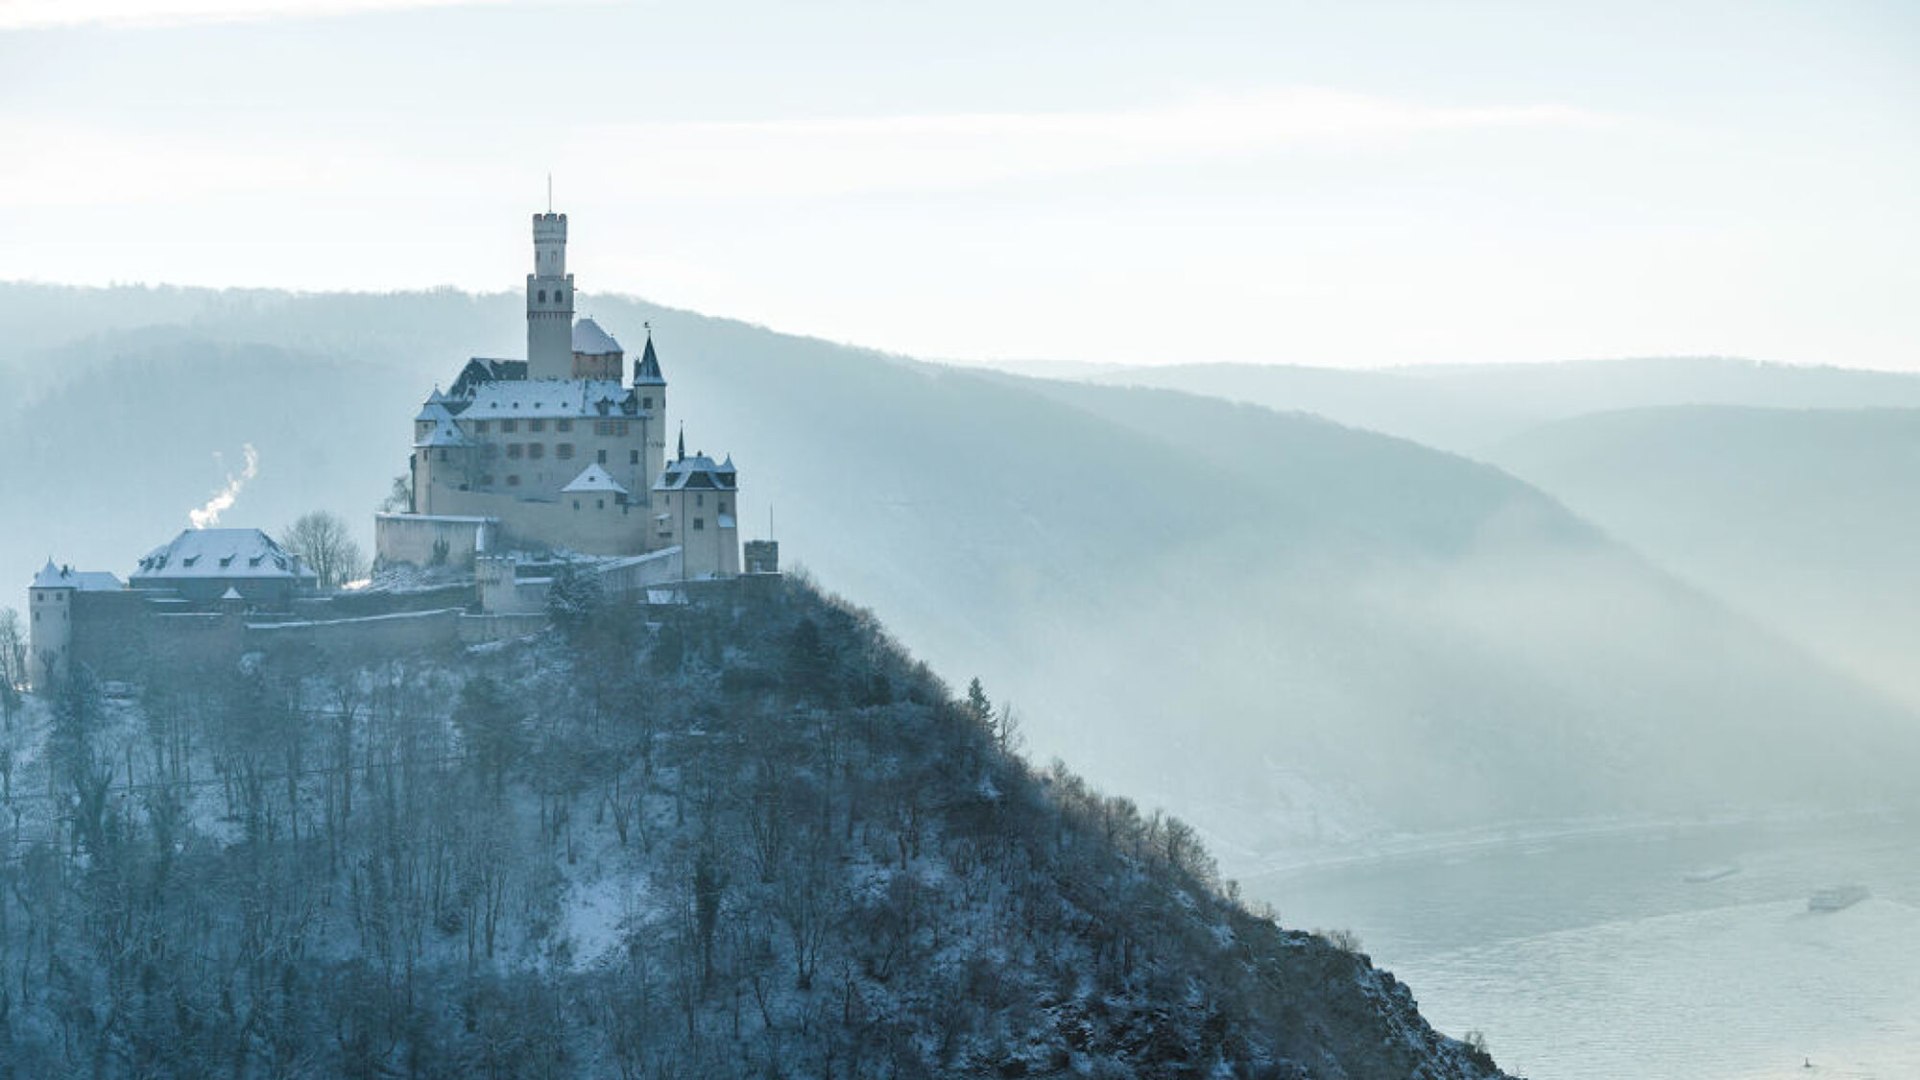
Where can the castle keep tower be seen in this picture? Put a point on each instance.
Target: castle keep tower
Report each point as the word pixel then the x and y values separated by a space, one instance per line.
pixel 549 301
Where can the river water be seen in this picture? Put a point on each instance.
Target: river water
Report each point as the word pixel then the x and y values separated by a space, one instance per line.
pixel 1647 952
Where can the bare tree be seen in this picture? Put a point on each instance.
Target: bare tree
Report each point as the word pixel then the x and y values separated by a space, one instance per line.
pixel 13 662
pixel 323 540
pixel 399 499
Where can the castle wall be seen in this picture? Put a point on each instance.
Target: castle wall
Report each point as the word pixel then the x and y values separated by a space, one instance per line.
pixel 414 538
pixel 503 591
pixel 633 575
pixel 479 629
pixel 599 526
pixel 349 605
pixel 352 641
pixel 190 642
pixel 125 635
pixel 111 633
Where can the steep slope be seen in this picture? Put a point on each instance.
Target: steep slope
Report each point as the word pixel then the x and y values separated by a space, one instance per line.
pixel 1470 408
pixel 1293 632
pixel 750 839
pixel 1806 517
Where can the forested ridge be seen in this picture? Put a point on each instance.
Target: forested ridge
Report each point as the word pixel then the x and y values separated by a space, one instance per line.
pixel 746 837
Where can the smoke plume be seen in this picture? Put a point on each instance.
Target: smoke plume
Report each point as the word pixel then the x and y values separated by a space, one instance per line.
pixel 223 499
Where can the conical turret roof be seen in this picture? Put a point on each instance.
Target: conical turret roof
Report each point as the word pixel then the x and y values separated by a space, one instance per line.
pixel 647 371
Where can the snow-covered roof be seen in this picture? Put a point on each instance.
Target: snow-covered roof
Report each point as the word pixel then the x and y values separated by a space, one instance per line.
pixel 221 553
pixel 594 478
pixel 434 409
pixel 66 577
pixel 444 433
pixel 562 398
pixel 231 594
pixel 479 371
pixel 697 472
pixel 589 339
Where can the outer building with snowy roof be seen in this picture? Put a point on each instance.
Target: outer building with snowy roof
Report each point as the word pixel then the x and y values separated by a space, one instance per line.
pixel 564 451
pixel 203 565
pixel 92 618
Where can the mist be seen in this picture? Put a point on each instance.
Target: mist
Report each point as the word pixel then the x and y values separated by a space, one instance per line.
pixel 1316 642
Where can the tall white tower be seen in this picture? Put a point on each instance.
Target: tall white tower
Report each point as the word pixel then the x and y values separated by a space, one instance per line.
pixel 549 301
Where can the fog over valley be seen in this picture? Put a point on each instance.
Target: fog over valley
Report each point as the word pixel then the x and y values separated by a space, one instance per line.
pixel 1275 541
pixel 1310 639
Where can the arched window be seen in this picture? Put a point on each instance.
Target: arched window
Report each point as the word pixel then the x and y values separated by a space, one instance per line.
pixel 543 296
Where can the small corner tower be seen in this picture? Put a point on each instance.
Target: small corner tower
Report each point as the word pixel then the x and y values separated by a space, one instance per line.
pixel 549 301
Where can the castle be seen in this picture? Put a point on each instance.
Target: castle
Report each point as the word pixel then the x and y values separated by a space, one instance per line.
pixel 521 467
pixel 561 451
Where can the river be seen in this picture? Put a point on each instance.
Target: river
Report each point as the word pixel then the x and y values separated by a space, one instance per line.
pixel 1648 951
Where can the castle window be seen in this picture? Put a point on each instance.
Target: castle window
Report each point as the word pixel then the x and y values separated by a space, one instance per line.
pixel 646 403
pixel 699 499
pixel 536 450
pixel 509 426
pixel 443 455
pixel 563 451
pixel 515 449
pixel 563 425
pixel 576 504
pixel 599 504
pixel 479 427
pixel 633 457
pixel 543 296
pixel 699 524
pixel 513 479
pixel 723 506
pixel 558 296
pixel 602 458
pixel 536 425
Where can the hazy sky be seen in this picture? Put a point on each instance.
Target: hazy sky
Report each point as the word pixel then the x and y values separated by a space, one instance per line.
pixel 1325 183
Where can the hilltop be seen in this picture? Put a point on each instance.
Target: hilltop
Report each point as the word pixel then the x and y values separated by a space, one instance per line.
pixel 749 838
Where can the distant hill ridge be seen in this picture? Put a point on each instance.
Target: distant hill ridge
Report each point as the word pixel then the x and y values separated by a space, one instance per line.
pixel 1297 633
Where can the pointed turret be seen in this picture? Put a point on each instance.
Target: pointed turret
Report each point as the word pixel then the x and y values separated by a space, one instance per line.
pixel 646 370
